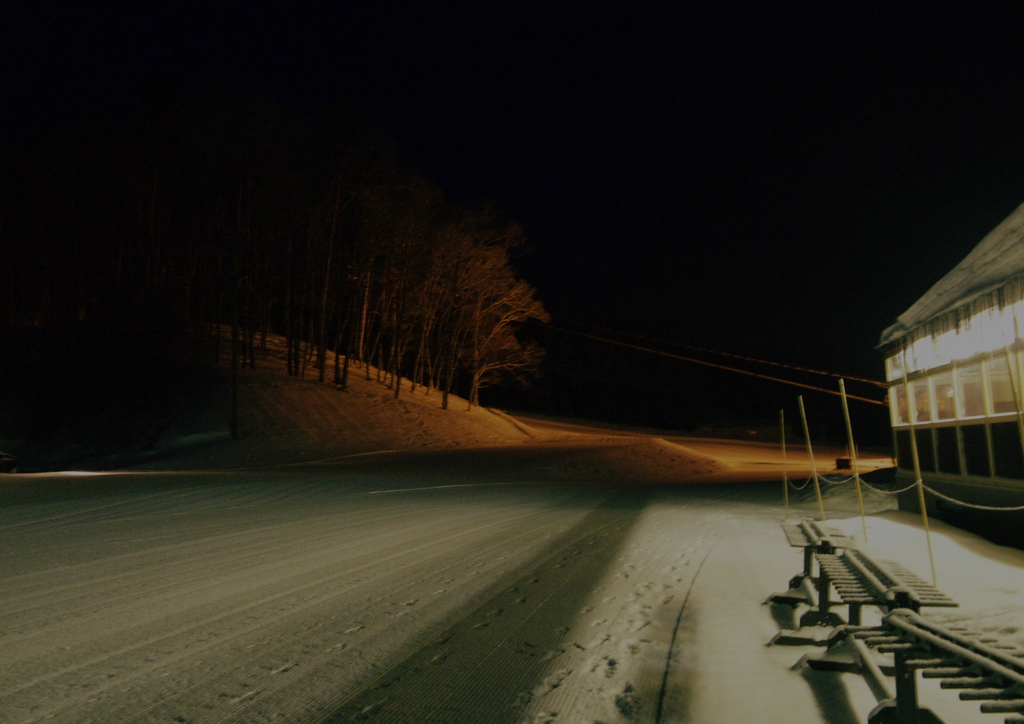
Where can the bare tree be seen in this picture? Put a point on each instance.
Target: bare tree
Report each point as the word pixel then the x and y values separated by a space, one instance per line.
pixel 499 302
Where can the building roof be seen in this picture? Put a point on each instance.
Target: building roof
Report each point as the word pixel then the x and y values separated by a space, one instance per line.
pixel 995 260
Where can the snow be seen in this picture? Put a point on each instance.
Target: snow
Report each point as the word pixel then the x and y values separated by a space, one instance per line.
pixel 346 561
pixel 986 580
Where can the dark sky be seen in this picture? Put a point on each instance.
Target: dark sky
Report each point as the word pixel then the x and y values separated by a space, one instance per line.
pixel 772 179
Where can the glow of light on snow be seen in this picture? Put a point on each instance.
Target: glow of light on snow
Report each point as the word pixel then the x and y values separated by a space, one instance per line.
pixel 442 487
pixel 115 605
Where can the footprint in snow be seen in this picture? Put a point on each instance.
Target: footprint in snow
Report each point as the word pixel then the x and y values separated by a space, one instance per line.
pixel 628 703
pixel 610 666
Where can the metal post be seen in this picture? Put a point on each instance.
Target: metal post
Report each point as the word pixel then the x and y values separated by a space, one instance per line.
pixel 810 454
pixel 853 458
pixel 906 689
pixel 824 598
pixel 809 561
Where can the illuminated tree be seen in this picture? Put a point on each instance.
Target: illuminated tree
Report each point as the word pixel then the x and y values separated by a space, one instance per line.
pixel 499 302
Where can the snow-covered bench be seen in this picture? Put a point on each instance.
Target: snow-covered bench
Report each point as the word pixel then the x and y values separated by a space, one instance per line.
pixel 985 670
pixel 815 540
pixel 857 579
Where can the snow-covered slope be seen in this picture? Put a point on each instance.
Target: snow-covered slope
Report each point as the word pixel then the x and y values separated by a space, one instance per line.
pixel 285 419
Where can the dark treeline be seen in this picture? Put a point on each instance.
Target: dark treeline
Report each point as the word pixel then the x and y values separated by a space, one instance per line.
pixel 171 224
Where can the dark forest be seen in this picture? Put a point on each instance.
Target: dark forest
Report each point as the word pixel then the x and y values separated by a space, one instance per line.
pixel 190 217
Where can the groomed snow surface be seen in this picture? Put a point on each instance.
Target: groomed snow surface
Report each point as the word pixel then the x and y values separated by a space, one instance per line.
pixel 544 572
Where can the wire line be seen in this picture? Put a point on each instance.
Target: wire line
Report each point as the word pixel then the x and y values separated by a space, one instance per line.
pixel 712 364
pixel 811 370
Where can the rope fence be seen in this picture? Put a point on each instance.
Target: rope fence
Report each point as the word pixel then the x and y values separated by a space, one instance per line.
pixel 803 485
pixel 918 484
pixel 976 506
pixel 830 479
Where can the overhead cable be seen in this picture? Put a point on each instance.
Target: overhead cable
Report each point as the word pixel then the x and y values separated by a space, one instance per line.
pixel 810 370
pixel 712 364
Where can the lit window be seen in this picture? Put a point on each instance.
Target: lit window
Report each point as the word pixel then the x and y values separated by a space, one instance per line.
pixel 899 405
pixel 972 396
pixel 1000 386
pixel 945 398
pixel 922 401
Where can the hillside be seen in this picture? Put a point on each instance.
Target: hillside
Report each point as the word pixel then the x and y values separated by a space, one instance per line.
pixel 119 420
pixel 94 416
pixel 285 420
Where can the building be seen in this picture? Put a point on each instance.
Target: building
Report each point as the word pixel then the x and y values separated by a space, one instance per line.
pixel 955 365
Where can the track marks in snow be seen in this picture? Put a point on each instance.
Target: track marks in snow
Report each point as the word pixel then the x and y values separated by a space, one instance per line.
pixel 494 660
pixel 258 603
pixel 618 644
pixel 282 616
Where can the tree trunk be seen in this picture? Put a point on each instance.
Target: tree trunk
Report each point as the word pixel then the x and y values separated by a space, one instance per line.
pixel 234 366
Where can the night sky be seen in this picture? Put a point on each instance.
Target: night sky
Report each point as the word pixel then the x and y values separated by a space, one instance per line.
pixel 778 180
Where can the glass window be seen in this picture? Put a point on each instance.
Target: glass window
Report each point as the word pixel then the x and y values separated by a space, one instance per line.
pixel 922 401
pixel 945 399
pixel 972 396
pixel 1000 386
pixel 948 450
pixel 903 459
pixel 1007 450
pixel 925 450
pixel 976 449
pixel 899 405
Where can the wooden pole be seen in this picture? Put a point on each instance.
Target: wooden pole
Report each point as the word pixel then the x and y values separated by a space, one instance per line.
pixel 911 414
pixel 853 458
pixel 785 469
pixel 810 454
pixel 235 428
pixel 1011 368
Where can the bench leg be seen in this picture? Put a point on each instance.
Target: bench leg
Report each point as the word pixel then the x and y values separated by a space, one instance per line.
pixel 854 615
pixel 821 616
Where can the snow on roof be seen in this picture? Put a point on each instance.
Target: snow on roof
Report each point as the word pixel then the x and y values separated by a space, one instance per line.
pixel 996 259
